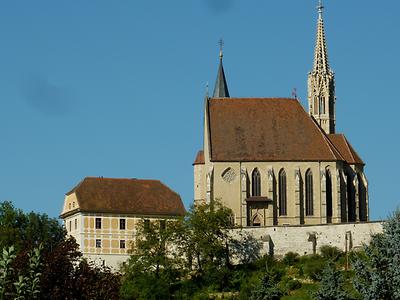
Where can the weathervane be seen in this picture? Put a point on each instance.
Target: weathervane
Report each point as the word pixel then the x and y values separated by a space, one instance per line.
pixel 221 46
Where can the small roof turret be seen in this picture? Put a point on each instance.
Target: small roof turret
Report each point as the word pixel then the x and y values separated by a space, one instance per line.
pixel 221 87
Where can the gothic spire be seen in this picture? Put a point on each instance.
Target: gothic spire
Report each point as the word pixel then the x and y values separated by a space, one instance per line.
pixel 321 52
pixel 221 87
pixel 321 82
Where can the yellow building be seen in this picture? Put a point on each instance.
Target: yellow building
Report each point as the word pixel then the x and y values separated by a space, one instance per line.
pixel 273 163
pixel 101 213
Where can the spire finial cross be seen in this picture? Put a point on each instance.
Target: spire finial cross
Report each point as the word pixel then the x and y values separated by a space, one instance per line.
pixel 221 46
pixel 320 7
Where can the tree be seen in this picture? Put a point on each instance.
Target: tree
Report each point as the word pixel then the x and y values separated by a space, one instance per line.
pixel 153 267
pixel 377 272
pixel 6 269
pixel 67 276
pixel 331 285
pixel 28 230
pixel 24 283
pixel 268 289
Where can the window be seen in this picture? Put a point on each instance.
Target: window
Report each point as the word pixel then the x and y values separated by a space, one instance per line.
pixel 163 224
pixel 70 225
pixel 98 243
pixel 76 224
pixel 122 244
pixel 256 183
pixel 282 193
pixel 122 224
pixel 256 220
pixel 146 224
pixel 73 204
pixel 309 194
pixel 69 205
pixel 98 223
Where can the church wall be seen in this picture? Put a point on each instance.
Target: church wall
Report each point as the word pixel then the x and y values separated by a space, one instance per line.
pixel 228 188
pixel 198 182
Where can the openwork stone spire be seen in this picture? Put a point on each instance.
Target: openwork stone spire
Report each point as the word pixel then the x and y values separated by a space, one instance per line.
pixel 321 54
pixel 321 81
pixel 221 87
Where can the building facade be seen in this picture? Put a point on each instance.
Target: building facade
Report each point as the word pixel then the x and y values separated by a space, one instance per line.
pixel 273 163
pixel 102 214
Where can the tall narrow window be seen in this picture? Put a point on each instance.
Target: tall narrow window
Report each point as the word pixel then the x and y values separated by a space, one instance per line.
pixel 282 193
pixel 309 194
pixel 76 224
pixel 122 244
pixel 98 223
pixel 329 204
pixel 256 183
pixel 98 243
pixel 122 223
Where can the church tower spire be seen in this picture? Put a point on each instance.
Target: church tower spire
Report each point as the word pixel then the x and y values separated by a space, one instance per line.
pixel 321 81
pixel 221 87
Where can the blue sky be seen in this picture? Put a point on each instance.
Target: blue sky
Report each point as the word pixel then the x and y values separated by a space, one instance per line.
pixel 115 88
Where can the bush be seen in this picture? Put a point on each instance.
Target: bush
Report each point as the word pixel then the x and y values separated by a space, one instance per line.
pixel 289 284
pixel 293 284
pixel 312 266
pixel 290 258
pixel 330 252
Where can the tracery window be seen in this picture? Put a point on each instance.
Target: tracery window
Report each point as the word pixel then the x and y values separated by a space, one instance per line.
pixel 256 183
pixel 309 193
pixel 282 193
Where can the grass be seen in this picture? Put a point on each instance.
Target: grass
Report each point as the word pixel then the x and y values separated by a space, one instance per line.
pixel 304 293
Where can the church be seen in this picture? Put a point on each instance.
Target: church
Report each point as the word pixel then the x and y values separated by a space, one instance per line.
pixel 275 163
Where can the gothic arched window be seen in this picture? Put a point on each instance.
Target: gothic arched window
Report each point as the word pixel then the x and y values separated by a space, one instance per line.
pixel 256 183
pixel 309 194
pixel 282 193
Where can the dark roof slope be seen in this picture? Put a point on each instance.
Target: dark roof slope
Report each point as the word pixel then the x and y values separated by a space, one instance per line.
pixel 199 158
pixel 127 196
pixel 346 150
pixel 266 129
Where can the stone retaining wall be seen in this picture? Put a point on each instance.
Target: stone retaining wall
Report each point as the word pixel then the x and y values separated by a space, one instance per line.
pixel 308 239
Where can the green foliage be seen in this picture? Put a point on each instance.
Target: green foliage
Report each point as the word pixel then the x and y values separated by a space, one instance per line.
pixel 290 258
pixel 268 289
pixel 33 278
pixel 289 284
pixel 27 230
pixel 312 266
pixel 25 281
pixel 152 269
pixel 332 285
pixel 377 272
pixel 330 253
pixel 6 269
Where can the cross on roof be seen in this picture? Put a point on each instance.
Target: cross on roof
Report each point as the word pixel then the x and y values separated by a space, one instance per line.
pixel 221 46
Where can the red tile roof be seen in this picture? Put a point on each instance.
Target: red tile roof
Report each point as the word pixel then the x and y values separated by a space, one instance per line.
pixel 199 158
pixel 127 196
pixel 346 150
pixel 266 129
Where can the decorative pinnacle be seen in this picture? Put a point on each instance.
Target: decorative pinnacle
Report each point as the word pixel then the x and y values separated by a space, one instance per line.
pixel 221 46
pixel 320 8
